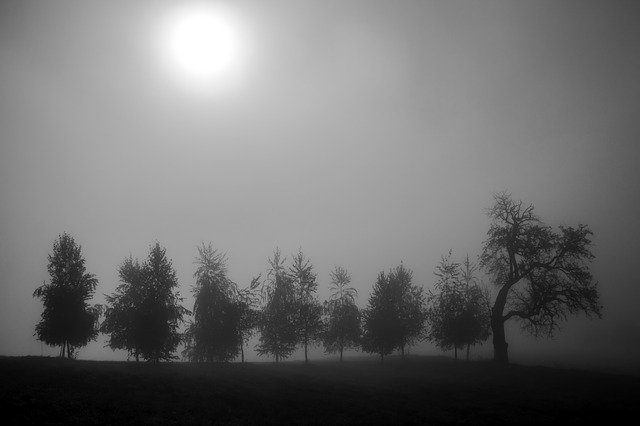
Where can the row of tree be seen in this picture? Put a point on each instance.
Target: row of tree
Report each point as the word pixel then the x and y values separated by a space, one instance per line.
pixel 540 275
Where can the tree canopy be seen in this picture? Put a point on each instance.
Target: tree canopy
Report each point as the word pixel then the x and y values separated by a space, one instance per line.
pixel 309 310
pixel 144 314
pixel 214 333
pixel 396 313
pixel 68 320
pixel 343 316
pixel 247 300
pixel 458 313
pixel 542 275
pixel 278 317
pixel 123 314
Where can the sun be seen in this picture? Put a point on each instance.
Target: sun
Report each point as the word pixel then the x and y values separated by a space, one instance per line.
pixel 201 43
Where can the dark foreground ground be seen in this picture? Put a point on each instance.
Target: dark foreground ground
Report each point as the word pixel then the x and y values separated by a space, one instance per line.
pixel 421 390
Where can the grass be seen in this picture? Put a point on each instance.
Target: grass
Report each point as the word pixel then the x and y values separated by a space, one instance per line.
pixel 424 390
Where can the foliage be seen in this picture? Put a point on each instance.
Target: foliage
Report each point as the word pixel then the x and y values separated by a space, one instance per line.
pixel 123 316
pixel 247 301
pixel 144 314
pixel 214 333
pixel 477 314
pixel 381 325
pixel 67 320
pixel 396 313
pixel 278 317
pixel 343 316
pixel 162 311
pixel 542 275
pixel 339 286
pixel 412 307
pixel 458 312
pixel 309 310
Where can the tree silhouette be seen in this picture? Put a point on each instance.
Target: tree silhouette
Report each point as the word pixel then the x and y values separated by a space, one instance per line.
pixel 123 315
pixel 309 320
pixel 67 320
pixel 457 314
pixel 381 326
pixel 214 333
pixel 477 314
pixel 412 308
pixel 247 300
pixel 343 316
pixel 144 313
pixel 542 275
pixel 278 318
pixel 396 313
pixel 162 311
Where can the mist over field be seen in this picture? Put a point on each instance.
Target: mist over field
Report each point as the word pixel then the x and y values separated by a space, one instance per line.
pixel 368 133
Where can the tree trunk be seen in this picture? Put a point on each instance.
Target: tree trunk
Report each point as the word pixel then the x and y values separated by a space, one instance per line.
pixel 381 357
pixel 500 354
pixel 341 349
pixel 468 351
pixel 402 351
pixel 277 358
pixel 306 358
pixel 242 353
pixel 455 352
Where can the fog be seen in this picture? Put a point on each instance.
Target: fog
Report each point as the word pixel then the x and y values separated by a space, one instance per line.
pixel 367 133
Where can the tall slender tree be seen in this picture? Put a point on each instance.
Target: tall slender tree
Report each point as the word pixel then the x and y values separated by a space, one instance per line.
pixel 123 314
pixel 278 317
pixel 411 309
pixel 343 316
pixel 68 320
pixel 381 326
pixel 457 314
pixel 247 300
pixel 162 312
pixel 477 313
pixel 214 333
pixel 446 307
pixel 309 320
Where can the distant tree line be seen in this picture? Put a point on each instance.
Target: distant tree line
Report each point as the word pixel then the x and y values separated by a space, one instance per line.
pixel 540 275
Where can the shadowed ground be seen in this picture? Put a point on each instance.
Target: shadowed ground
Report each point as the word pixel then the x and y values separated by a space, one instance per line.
pixel 424 390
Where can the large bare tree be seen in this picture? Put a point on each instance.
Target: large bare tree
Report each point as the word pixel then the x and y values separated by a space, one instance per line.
pixel 542 275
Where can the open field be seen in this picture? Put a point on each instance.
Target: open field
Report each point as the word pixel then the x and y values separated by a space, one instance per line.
pixel 426 390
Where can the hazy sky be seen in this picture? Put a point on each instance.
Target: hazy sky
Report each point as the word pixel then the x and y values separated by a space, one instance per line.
pixel 367 133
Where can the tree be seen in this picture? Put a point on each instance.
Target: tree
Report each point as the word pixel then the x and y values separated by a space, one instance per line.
pixel 67 320
pixel 476 320
pixel 144 313
pixel 457 314
pixel 343 316
pixel 247 301
pixel 381 325
pixel 412 308
pixel 542 275
pixel 309 320
pixel 278 326
pixel 214 333
pixel 162 313
pixel 123 315
pixel 396 314
pixel 445 306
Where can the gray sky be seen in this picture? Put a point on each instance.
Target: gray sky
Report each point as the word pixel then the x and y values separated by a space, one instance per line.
pixel 368 133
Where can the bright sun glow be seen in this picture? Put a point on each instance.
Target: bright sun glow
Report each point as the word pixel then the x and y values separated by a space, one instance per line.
pixel 201 43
